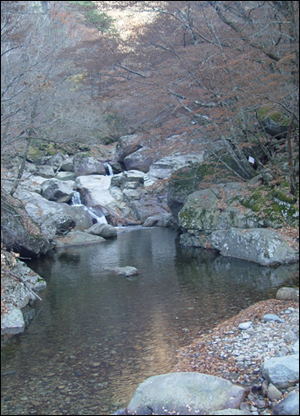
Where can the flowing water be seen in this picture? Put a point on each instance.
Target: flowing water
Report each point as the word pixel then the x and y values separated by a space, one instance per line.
pixel 97 335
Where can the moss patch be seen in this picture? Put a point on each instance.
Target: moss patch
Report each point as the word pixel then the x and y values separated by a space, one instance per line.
pixel 275 205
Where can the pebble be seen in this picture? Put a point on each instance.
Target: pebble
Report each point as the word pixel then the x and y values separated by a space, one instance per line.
pixel 245 325
pixel 245 348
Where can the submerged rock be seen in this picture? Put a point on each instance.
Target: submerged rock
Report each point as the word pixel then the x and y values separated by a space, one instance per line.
pixel 126 271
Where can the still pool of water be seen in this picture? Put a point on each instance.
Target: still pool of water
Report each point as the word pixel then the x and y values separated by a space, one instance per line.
pixel 96 336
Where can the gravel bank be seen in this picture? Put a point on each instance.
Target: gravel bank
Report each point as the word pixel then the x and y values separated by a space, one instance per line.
pixel 237 355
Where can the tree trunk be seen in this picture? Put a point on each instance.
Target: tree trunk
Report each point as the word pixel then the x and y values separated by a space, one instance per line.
pixel 21 170
pixel 290 153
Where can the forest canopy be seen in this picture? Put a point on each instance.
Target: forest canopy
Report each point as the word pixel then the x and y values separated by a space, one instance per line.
pixel 224 72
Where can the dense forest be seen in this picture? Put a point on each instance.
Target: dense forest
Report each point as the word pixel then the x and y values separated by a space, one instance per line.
pixel 223 73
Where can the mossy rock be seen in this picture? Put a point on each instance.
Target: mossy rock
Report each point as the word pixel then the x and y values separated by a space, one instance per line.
pixel 274 205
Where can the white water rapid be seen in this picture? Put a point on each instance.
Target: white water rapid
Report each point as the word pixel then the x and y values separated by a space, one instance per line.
pixel 108 168
pixel 76 200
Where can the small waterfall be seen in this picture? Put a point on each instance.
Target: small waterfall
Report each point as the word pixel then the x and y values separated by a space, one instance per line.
pixel 76 201
pixel 108 169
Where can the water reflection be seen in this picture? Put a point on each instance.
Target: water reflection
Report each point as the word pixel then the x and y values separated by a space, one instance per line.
pixel 96 335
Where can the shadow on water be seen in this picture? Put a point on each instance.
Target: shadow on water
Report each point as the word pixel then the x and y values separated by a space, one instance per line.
pixel 96 335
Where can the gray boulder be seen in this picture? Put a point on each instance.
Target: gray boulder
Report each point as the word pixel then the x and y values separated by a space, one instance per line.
pixel 19 232
pixel 274 129
pixel 165 167
pixel 45 171
pixel 87 165
pixel 12 322
pixel 67 165
pixel 159 220
pixel 18 296
pixel 185 393
pixel 288 406
pixel 66 176
pixel 138 161
pixel 55 161
pixel 130 180
pixel 282 372
pixel 202 210
pixel 60 223
pixel 77 238
pixel 126 146
pixel 103 230
pixel 56 190
pixel 287 293
pixel 40 210
pixel 259 245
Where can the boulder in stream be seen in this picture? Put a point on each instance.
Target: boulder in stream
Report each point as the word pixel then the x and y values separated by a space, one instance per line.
pixel 103 230
pixel 185 393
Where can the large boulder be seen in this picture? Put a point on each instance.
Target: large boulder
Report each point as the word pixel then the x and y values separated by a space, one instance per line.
pixel 94 190
pixel 17 296
pixel 87 165
pixel 287 293
pixel 213 209
pixel 126 146
pixel 40 210
pixel 132 179
pixel 59 224
pixel 288 406
pixel 163 168
pixel 185 393
pixel 56 190
pixel 274 129
pixel 259 245
pixel 282 372
pixel 77 238
pixel 103 230
pixel 19 232
pixel 190 178
pixel 139 160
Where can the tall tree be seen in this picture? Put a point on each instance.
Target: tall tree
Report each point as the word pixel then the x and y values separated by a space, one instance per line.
pixel 222 67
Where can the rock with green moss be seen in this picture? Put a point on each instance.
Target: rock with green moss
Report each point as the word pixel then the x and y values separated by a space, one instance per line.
pixel 189 179
pixel 214 209
pixel 275 206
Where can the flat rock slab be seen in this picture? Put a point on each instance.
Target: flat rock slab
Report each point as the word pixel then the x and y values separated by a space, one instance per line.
pixel 77 238
pixel 126 271
pixel 185 394
pixel 259 245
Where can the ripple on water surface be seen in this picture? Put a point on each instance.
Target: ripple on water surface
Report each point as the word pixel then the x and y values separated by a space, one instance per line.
pixel 96 335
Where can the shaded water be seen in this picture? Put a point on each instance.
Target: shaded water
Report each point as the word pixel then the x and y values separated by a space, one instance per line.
pixel 96 335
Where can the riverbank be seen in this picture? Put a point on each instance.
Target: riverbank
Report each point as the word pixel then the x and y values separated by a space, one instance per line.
pixel 237 355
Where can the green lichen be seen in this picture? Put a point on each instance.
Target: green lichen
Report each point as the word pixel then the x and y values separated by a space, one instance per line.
pixel 282 196
pixel 275 206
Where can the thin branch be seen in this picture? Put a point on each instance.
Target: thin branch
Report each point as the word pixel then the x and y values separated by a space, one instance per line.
pixel 23 281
